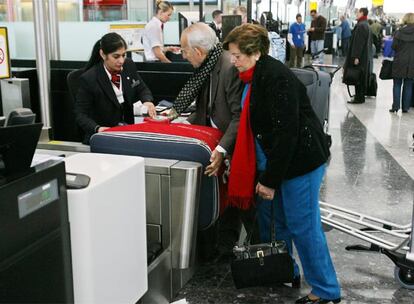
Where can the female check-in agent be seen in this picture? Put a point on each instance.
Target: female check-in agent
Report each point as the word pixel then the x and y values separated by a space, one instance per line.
pixel 281 141
pixel 153 37
pixel 110 91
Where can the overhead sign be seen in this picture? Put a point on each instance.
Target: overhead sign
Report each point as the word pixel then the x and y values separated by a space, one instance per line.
pixel 4 54
pixel 377 2
pixel 132 34
pixel 313 5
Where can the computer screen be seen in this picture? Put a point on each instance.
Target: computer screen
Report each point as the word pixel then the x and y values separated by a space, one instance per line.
pixel 229 22
pixel 17 146
pixel 185 19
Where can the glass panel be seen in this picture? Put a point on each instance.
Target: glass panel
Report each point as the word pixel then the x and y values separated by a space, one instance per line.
pixel 69 10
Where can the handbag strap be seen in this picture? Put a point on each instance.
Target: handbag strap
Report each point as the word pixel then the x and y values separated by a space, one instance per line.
pixel 272 229
pixel 349 92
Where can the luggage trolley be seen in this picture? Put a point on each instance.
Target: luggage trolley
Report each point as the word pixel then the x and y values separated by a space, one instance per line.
pixel 385 237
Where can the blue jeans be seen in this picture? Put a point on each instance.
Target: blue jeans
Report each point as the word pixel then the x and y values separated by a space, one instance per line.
pixel 297 219
pixel 317 46
pixel 407 93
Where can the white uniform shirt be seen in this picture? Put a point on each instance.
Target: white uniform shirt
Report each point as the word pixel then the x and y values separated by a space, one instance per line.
pixel 152 37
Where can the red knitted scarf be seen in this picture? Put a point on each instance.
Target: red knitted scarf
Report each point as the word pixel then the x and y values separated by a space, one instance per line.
pixel 243 163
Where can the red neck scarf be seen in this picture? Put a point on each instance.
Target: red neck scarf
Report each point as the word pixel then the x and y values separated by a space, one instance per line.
pixel 243 163
pixel 116 79
pixel 362 18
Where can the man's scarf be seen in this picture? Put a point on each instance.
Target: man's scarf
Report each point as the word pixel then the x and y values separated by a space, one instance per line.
pixel 193 86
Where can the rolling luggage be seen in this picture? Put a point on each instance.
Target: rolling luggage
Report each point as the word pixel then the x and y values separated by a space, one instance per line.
pixel 168 141
pixel 318 84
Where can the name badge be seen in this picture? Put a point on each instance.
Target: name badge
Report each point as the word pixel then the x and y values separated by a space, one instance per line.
pixel 135 83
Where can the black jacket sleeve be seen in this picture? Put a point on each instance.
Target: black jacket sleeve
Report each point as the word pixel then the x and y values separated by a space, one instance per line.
pixel 83 107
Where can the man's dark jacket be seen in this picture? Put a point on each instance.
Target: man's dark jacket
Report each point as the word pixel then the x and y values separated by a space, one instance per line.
pixel 284 123
pixel 319 24
pixel 361 47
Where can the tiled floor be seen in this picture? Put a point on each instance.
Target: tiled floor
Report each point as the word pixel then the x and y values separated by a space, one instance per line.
pixel 371 171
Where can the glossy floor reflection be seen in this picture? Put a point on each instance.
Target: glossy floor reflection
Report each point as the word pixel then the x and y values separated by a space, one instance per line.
pixel 370 172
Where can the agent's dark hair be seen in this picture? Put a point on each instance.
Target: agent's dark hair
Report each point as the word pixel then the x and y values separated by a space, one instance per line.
pixel 313 11
pixel 364 11
pixel 298 15
pixel 109 43
pixel 250 38
pixel 216 13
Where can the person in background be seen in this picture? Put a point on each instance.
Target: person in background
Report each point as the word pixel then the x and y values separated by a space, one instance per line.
pixel 297 42
pixel 216 88
pixel 242 11
pixel 376 30
pixel 216 23
pixel 153 36
pixel 317 35
pixel 281 153
pixel 403 65
pixel 111 90
pixel 360 53
pixel 345 35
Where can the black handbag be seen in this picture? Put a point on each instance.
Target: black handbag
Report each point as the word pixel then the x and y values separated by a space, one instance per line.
pixel 352 75
pixel 386 70
pixel 264 264
pixel 372 88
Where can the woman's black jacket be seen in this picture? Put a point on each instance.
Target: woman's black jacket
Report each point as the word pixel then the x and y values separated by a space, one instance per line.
pixel 284 123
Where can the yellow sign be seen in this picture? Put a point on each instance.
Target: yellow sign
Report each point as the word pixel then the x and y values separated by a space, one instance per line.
pixel 132 34
pixel 4 54
pixel 377 2
pixel 313 5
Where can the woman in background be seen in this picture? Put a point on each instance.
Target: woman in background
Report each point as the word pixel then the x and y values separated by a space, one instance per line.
pixel 403 65
pixel 153 37
pixel 110 90
pixel 281 145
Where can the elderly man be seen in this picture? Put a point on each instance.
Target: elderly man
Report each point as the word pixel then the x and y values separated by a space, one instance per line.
pixel 217 90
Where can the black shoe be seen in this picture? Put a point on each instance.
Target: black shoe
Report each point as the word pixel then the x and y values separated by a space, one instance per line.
pixel 296 282
pixel 306 300
pixel 353 101
pixel 393 110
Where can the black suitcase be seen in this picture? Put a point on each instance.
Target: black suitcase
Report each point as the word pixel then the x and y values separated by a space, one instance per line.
pixel 372 86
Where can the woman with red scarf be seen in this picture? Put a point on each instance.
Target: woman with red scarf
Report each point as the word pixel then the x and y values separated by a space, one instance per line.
pixel 280 155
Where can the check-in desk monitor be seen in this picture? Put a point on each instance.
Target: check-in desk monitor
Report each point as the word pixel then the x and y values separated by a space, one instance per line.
pixel 35 261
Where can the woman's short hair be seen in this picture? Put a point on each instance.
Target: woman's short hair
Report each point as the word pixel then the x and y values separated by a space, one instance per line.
pixel 408 18
pixel 163 6
pixel 250 38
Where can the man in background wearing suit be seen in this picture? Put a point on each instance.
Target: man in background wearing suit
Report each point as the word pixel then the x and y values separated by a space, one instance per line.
pixel 216 23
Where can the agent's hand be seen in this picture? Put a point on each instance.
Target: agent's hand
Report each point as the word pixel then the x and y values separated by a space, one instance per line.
pixel 216 159
pixel 265 192
pixel 356 61
pixel 101 129
pixel 151 109
pixel 174 49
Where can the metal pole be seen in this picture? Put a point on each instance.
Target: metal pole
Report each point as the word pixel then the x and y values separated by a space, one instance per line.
pixel 150 9
pixel 42 60
pixel 249 11
pixel 54 30
pixel 200 9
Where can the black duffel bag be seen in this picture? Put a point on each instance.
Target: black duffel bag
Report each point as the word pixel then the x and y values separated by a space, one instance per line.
pixel 352 75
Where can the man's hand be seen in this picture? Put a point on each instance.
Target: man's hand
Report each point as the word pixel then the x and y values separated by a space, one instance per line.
pixel 216 159
pixel 265 192
pixel 312 29
pixel 151 109
pixel 356 61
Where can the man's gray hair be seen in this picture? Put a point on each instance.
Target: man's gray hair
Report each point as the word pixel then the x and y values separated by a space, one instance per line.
pixel 201 35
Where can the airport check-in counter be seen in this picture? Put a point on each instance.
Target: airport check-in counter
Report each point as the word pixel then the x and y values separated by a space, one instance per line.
pixel 172 195
pixel 172 190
